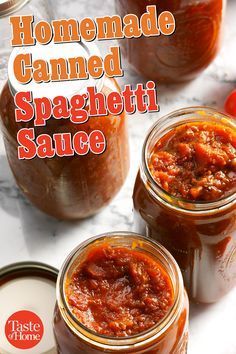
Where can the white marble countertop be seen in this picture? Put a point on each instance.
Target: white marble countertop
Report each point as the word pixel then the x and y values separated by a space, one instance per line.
pixel 27 234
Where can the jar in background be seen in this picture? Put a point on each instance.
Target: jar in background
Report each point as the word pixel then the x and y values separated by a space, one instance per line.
pixel 201 236
pixel 168 336
pixel 68 187
pixel 182 55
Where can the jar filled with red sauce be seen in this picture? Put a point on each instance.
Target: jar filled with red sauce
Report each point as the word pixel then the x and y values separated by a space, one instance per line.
pixel 184 54
pixel 77 186
pixel 121 293
pixel 184 197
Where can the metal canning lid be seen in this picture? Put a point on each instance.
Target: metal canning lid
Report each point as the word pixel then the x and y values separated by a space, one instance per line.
pixel 8 7
pixel 28 287
pixel 17 269
pixel 51 89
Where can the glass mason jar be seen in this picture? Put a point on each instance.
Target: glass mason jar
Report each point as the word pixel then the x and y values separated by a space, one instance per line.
pixel 41 9
pixel 69 187
pixel 201 236
pixel 189 50
pixel 169 336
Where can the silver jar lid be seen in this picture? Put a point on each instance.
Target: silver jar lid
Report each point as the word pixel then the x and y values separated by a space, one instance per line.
pixel 28 287
pixel 51 89
pixel 8 7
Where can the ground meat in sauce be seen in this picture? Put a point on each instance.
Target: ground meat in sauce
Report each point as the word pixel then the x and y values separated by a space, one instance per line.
pixel 196 161
pixel 119 292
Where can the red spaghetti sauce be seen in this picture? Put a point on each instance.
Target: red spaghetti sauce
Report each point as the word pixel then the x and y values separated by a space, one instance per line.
pixel 196 161
pixel 119 292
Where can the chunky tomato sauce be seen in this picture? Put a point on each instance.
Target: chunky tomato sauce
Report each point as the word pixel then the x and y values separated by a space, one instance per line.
pixel 196 161
pixel 119 292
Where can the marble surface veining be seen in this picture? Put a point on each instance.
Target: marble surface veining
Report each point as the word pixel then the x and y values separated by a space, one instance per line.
pixel 27 234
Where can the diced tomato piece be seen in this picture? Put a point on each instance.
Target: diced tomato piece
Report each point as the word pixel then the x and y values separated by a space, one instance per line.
pixel 206 155
pixel 230 104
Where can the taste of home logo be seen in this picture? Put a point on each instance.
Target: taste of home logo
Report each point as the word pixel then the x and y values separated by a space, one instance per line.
pixel 24 329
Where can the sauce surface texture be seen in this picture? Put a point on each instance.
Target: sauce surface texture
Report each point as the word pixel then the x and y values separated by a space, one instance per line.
pixel 119 292
pixel 196 161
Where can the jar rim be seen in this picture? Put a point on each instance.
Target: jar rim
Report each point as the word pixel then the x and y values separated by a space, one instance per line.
pixel 120 343
pixel 176 203
pixel 8 7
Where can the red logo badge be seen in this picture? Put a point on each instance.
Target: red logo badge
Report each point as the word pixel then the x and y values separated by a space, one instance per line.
pixel 24 329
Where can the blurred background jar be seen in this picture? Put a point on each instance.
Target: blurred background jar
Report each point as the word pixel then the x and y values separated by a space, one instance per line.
pixel 188 51
pixel 41 9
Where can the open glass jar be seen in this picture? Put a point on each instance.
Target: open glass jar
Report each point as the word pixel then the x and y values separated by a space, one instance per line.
pixel 68 187
pixel 200 235
pixel 182 55
pixel 168 336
